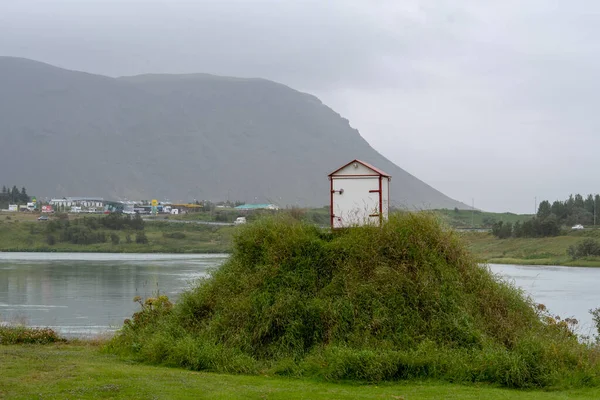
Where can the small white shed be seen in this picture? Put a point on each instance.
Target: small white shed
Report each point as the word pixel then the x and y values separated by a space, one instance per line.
pixel 360 195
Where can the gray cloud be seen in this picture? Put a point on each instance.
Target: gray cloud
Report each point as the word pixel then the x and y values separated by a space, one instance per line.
pixel 485 100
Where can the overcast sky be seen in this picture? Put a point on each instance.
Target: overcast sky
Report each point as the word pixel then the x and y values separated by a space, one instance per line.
pixel 494 101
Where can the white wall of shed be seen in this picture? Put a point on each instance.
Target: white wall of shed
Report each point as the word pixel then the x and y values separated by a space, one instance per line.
pixel 385 195
pixel 355 205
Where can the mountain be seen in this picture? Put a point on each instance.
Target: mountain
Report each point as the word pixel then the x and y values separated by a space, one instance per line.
pixel 178 137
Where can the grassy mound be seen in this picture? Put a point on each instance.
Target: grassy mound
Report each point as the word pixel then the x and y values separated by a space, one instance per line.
pixel 402 301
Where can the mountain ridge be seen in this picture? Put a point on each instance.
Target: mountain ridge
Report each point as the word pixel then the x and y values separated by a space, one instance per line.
pixel 179 137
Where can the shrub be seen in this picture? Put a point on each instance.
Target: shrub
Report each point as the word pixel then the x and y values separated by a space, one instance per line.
pixel 402 301
pixel 62 216
pixel 141 238
pixel 128 238
pixel 51 240
pixel 24 335
pixel 114 238
pixel 585 248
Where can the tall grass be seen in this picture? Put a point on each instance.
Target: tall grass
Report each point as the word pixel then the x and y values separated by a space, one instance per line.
pixel 402 301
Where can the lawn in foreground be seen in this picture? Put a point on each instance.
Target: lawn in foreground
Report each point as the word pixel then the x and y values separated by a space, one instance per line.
pixel 82 371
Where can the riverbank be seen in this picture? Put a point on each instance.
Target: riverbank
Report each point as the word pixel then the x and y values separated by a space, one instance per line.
pixel 82 370
pixel 24 233
pixel 527 251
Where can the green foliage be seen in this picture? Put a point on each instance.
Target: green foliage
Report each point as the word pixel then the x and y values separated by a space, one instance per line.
pixel 13 196
pixel 596 318
pixel 174 235
pixel 89 230
pixel 402 301
pixel 502 230
pixel 535 227
pixel 50 239
pixel 25 335
pixel 140 238
pixel 117 221
pixel 478 219
pixel 585 248
pixel 574 210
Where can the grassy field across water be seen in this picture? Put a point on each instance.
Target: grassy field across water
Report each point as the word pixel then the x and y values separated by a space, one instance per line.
pixel 23 232
pixel 528 251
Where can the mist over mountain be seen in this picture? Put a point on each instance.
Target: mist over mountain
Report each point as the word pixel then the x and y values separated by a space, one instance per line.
pixel 179 137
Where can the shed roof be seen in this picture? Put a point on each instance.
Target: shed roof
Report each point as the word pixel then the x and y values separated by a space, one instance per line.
pixel 375 169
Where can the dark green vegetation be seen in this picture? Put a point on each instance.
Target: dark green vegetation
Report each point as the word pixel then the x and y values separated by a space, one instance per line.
pixel 406 301
pixel 479 219
pixel 81 371
pixel 551 218
pixel 25 335
pixel 183 137
pixel 111 233
pixel 13 196
pixel 529 251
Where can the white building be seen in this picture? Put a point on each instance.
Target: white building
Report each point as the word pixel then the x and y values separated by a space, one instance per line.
pixel 360 195
pixel 84 202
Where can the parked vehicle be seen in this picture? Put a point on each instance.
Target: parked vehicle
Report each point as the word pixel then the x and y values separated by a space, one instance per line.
pixel 577 227
pixel 43 218
pixel 239 221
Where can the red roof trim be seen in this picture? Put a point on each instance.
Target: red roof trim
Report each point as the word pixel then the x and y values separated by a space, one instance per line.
pixel 379 172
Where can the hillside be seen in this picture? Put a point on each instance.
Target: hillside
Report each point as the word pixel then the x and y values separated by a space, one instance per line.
pixel 179 137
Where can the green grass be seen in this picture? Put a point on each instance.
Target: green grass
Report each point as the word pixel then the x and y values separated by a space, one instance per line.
pixel 405 301
pixel 528 251
pixel 25 233
pixel 82 371
pixel 478 219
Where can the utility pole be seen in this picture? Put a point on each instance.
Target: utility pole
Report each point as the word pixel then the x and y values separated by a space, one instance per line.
pixel 535 205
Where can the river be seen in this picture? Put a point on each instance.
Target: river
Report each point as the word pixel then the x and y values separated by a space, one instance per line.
pixel 83 294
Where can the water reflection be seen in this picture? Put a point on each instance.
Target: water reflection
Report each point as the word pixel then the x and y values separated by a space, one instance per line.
pixel 82 294
pixel 85 294
pixel 566 291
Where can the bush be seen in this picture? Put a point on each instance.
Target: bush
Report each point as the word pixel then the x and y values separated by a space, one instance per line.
pixel 119 221
pixel 114 238
pixel 62 216
pixel 24 335
pixel 141 238
pixel 402 301
pixel 51 240
pixel 128 238
pixel 585 248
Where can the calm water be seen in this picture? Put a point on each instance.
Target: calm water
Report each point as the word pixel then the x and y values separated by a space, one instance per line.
pixel 86 294
pixel 566 291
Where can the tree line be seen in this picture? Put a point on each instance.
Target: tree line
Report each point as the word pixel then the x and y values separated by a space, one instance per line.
pixel 552 217
pixel 14 195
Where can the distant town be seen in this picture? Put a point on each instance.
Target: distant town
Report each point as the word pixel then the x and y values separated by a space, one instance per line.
pixel 97 205
pixel 15 200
